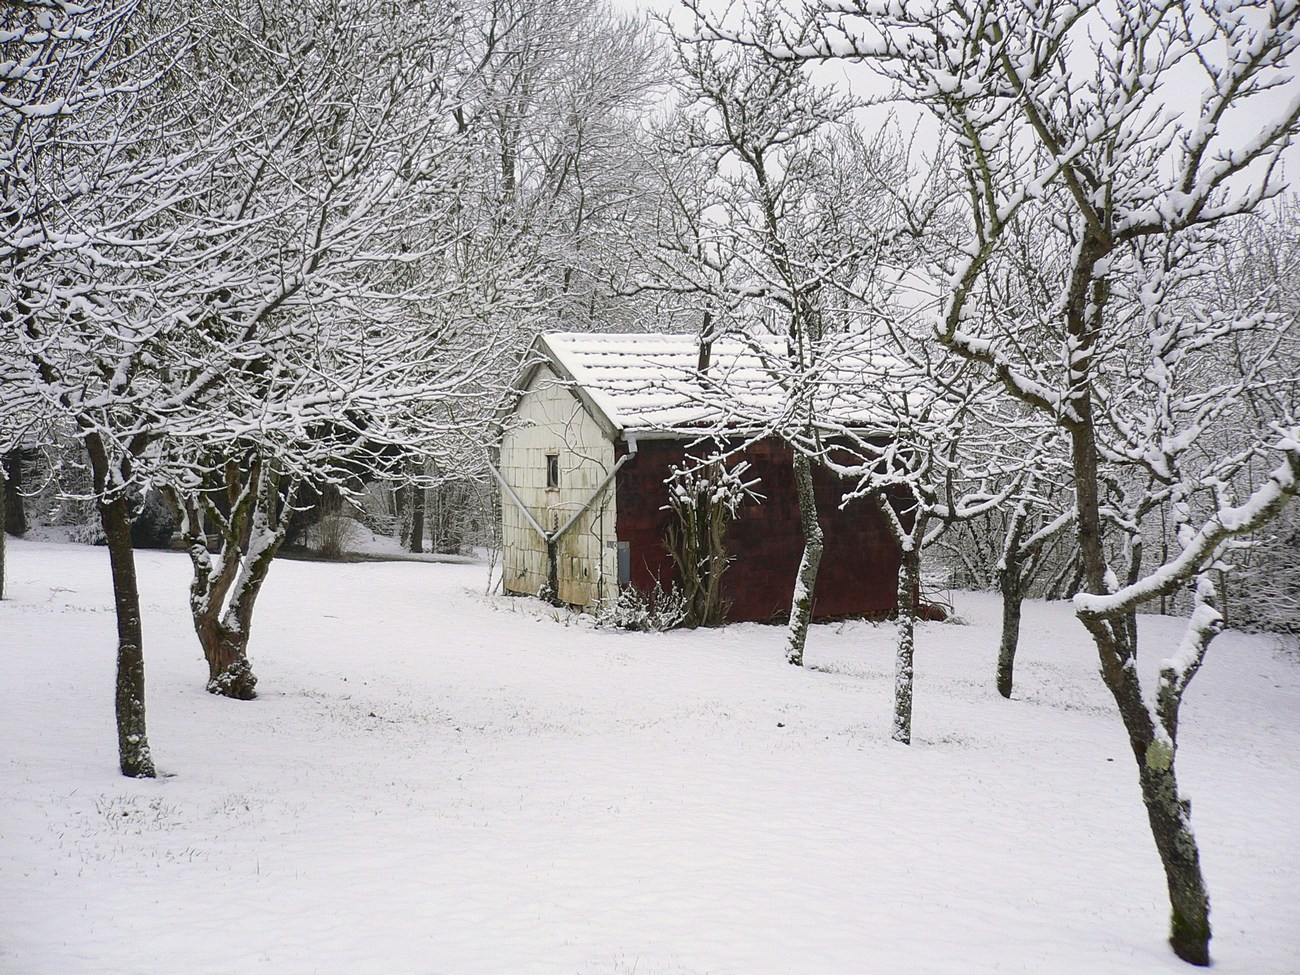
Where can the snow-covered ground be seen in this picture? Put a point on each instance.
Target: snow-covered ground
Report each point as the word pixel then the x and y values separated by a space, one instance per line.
pixel 438 781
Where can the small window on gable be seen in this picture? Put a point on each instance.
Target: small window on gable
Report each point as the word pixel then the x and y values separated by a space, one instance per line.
pixel 552 471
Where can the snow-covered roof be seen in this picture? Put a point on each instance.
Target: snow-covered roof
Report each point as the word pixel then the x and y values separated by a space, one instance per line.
pixel 645 383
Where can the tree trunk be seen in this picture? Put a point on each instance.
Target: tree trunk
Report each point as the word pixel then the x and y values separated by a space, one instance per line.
pixel 224 625
pixel 132 741
pixel 806 581
pixel 717 560
pixel 1170 817
pixel 909 580
pixel 3 535
pixel 133 753
pixel 1134 573
pixel 1153 748
pixel 704 558
pixel 226 650
pixel 402 504
pixel 13 511
pixel 417 518
pixel 1168 813
pixel 1011 585
pixel 266 532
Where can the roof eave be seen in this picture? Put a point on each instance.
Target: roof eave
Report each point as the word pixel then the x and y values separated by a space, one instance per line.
pixel 607 424
pixel 761 433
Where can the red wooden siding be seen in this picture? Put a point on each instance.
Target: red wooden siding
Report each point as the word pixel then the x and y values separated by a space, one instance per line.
pixel 859 568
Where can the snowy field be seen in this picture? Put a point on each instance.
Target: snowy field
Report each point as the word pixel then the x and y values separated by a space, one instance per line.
pixel 437 781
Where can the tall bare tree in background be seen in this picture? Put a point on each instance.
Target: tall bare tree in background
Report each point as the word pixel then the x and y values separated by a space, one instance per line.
pixel 1260 266
pixel 560 106
pixel 555 107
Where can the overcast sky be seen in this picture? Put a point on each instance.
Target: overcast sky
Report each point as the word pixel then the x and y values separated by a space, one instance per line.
pixel 1183 97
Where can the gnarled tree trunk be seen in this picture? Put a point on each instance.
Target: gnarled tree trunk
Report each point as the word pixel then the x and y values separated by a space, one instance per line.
pixel 1168 812
pixel 703 502
pixel 225 587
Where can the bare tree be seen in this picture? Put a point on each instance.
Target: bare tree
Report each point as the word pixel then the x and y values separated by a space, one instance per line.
pixel 83 171
pixel 760 116
pixel 936 457
pixel 381 348
pixel 561 94
pixel 1133 191
pixel 1260 265
pixel 779 206
pixel 208 271
pixel 1036 519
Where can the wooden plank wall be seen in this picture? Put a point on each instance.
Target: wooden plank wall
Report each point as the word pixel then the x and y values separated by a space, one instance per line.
pixel 859 568
pixel 551 420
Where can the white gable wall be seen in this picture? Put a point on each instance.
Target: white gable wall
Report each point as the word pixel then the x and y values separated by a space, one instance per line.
pixel 549 419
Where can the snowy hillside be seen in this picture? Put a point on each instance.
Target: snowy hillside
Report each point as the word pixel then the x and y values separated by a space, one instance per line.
pixel 437 781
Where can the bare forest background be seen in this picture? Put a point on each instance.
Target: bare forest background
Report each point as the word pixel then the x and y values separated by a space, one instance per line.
pixel 269 271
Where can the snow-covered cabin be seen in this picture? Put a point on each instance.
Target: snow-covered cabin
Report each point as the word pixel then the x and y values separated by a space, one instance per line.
pixel 591 437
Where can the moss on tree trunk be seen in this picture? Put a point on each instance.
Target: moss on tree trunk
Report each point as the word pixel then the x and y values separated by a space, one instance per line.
pixel 1168 813
pixel 1153 748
